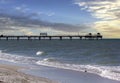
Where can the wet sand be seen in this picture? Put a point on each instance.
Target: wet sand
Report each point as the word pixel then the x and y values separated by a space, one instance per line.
pixel 18 74
pixel 10 74
pixel 68 76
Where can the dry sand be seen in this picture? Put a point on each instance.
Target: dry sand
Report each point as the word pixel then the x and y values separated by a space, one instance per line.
pixel 10 74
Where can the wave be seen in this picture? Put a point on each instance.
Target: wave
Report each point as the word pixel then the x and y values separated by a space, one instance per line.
pixel 39 53
pixel 50 59
pixel 16 58
pixel 111 72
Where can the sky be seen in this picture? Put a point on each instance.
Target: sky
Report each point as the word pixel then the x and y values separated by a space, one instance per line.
pixel 56 17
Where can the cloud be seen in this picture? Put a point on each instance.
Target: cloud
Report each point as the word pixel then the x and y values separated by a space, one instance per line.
pixel 23 20
pixel 51 14
pixel 103 9
pixel 23 8
pixel 109 29
pixel 25 24
pixel 106 11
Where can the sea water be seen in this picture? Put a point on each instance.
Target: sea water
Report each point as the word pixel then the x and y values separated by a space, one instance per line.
pixel 101 57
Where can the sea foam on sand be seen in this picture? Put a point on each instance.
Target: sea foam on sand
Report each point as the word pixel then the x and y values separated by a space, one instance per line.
pixel 10 74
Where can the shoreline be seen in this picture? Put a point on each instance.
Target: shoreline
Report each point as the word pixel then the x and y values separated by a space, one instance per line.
pixel 68 76
pixel 15 73
pixel 11 74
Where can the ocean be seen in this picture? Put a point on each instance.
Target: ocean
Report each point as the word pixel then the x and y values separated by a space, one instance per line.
pixel 101 57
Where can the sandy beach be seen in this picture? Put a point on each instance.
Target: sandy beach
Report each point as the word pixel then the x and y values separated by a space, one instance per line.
pixel 10 74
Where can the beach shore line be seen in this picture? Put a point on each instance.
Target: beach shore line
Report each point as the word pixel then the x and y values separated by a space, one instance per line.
pixel 10 74
pixel 68 76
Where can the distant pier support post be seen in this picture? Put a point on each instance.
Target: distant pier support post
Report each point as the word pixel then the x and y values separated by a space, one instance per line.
pixel 60 37
pixel 29 38
pixel 70 37
pixel 39 38
pixel 80 37
pixel 7 38
pixel 1 36
pixel 50 37
pixel 99 36
pixel 18 38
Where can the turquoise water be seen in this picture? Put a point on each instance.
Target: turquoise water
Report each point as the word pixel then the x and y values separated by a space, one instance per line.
pixel 101 57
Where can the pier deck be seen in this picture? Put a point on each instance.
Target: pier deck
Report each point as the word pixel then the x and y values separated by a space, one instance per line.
pixel 60 37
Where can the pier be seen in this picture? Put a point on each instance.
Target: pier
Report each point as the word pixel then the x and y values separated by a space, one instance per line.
pixel 60 37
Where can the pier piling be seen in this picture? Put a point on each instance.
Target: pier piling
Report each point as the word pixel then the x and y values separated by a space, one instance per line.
pixel 70 37
pixel 50 38
pixel 60 37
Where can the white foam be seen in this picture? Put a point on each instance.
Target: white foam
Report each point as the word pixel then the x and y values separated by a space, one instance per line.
pixel 111 72
pixel 50 59
pixel 104 71
pixel 16 58
pixel 0 51
pixel 39 53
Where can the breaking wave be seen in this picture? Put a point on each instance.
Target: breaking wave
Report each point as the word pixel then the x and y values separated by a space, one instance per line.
pixel 111 72
pixel 39 53
pixel 50 59
pixel 16 58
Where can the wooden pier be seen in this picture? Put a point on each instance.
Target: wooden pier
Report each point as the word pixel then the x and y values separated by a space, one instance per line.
pixel 61 37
